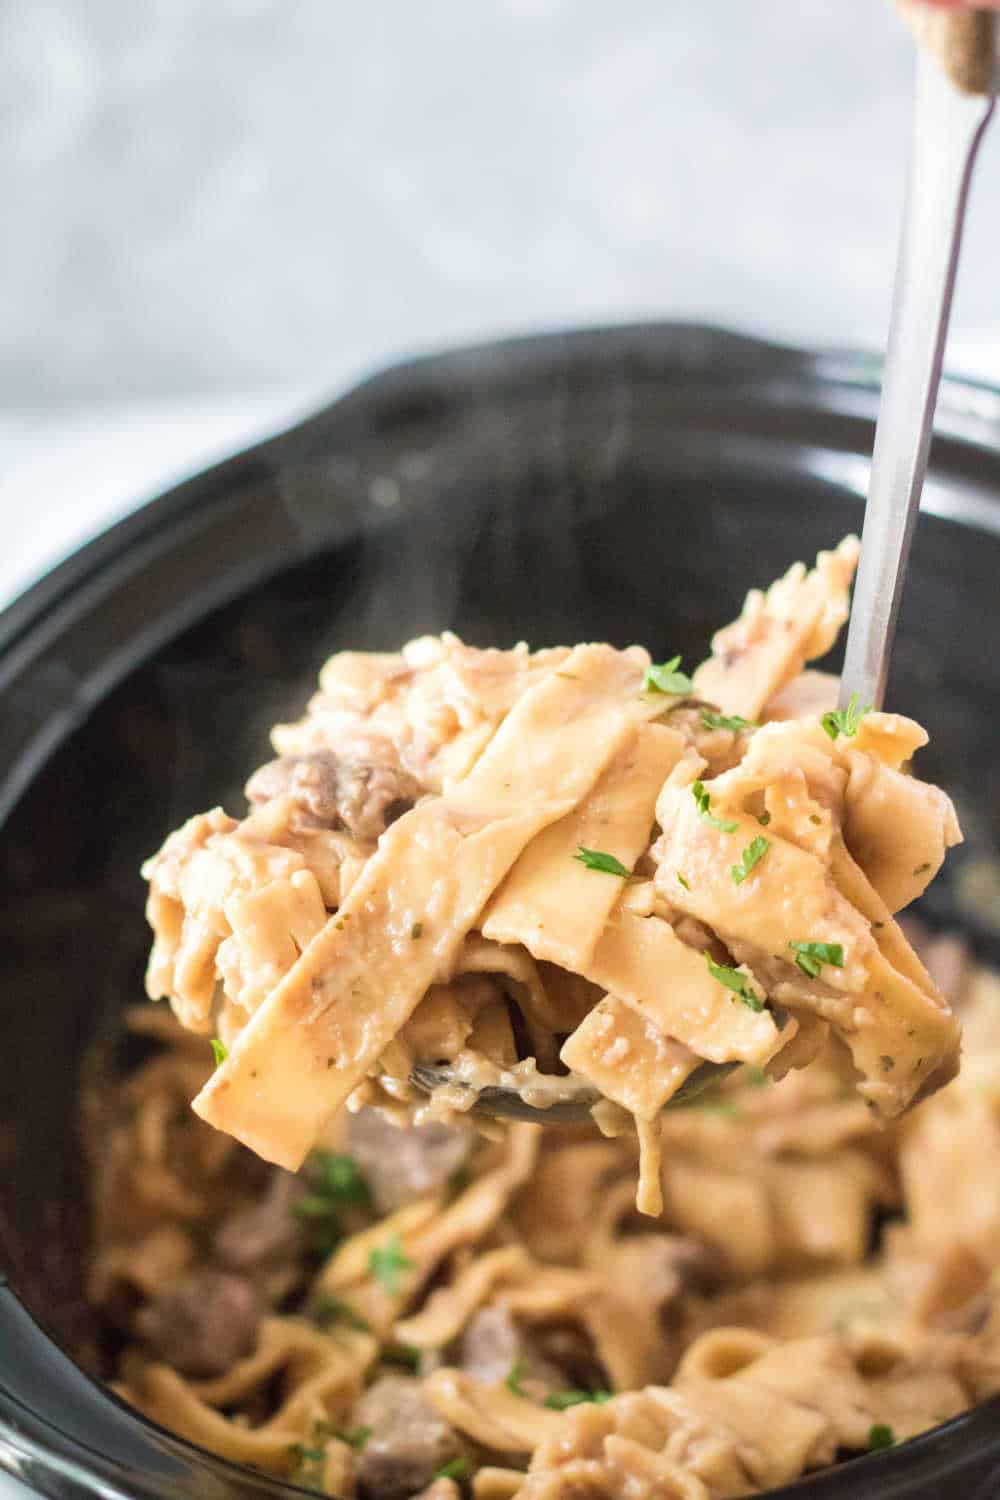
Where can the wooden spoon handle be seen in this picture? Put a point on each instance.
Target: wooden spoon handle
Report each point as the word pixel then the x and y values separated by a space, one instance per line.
pixel 963 42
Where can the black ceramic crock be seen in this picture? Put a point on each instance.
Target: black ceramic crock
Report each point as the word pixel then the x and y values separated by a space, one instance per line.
pixel 622 484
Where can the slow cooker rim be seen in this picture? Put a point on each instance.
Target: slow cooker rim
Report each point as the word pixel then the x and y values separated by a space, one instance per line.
pixel 36 1447
pixel 711 350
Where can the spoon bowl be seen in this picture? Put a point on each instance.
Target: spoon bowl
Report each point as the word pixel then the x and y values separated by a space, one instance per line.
pixel 508 1104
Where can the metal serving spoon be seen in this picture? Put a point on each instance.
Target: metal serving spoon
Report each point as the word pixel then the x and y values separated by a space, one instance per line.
pixel 953 102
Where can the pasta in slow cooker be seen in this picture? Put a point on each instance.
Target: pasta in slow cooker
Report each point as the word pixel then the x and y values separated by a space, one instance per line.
pixel 423 1311
pixel 563 870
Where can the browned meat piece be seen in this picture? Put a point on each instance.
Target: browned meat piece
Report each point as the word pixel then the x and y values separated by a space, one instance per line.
pixel 264 1232
pixel 408 1443
pixel 362 790
pixel 493 1345
pixel 203 1323
pixel 400 1164
pixel 673 1263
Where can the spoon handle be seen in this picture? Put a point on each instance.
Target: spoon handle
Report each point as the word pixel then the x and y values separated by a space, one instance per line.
pixel 948 123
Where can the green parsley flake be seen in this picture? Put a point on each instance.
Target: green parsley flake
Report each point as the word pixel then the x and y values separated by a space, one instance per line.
pixel 682 881
pixel 386 1263
pixel 310 1461
pixel 880 1436
pixel 335 1183
pixel 563 1400
pixel 355 1437
pixel 845 720
pixel 811 957
pixel 457 1469
pixel 514 1376
pixel 752 855
pixel 605 863
pixel 667 679
pixel 219 1051
pixel 310 1455
pixel 735 722
pixel 307 1456
pixel 764 819
pixel 342 1179
pixel 735 981
pixel 704 803
pixel 331 1310
pixel 403 1355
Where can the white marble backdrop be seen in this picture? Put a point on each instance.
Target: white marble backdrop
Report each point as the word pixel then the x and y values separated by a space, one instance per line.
pixel 237 194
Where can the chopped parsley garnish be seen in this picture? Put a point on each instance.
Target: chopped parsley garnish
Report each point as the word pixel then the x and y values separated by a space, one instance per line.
pixel 354 1437
pixel 336 1183
pixel 342 1179
pixel 594 859
pixel 845 720
pixel 666 678
pixel 735 722
pixel 764 819
pixel 310 1461
pixel 811 957
pixel 309 1455
pixel 563 1400
pixel 682 881
pixel 704 802
pixel 880 1436
pixel 331 1310
pixel 457 1469
pixel 752 855
pixel 219 1051
pixel 387 1262
pixel 514 1377
pixel 404 1355
pixel 735 981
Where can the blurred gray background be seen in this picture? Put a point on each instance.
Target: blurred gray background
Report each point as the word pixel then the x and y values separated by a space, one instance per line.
pixel 216 211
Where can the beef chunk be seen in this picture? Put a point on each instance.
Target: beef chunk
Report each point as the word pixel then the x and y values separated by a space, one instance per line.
pixel 401 1164
pixel 363 789
pixel 202 1323
pixel 665 1265
pixel 493 1344
pixel 264 1232
pixel 409 1442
